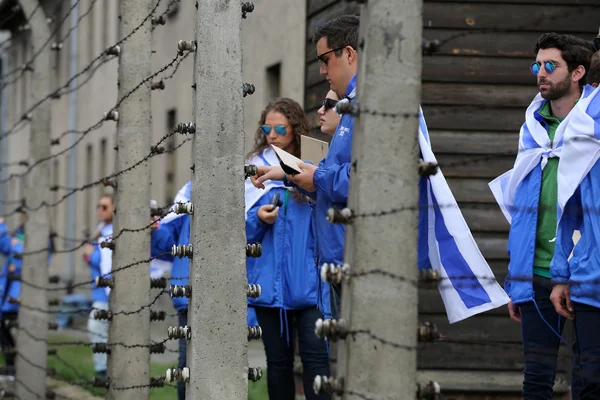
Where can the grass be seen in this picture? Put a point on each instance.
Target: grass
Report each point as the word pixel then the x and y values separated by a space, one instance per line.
pixel 75 364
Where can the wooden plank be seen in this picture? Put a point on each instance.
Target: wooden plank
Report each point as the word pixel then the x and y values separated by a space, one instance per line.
pixel 471 190
pixel 493 246
pixel 470 356
pixel 513 17
pixel 481 166
pixel 474 118
pixel 443 93
pixel 485 218
pixel 452 69
pixel 476 142
pixel 439 93
pixel 490 44
pixel 336 9
pixel 474 384
pixel 478 328
pixel 315 6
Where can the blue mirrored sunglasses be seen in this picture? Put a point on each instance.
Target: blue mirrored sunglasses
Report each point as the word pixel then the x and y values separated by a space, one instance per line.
pixel 279 129
pixel 548 66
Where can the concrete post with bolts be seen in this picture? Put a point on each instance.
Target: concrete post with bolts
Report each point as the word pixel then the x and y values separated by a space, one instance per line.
pixel 217 352
pixel 384 175
pixel 32 347
pixel 129 362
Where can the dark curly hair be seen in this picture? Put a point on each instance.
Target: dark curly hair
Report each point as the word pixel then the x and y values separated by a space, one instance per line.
pixel 575 51
pixel 296 117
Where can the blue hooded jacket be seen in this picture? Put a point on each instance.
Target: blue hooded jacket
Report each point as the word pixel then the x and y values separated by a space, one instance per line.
pixel 174 230
pixel 8 287
pixel 98 294
pixel 332 181
pixel 582 271
pixel 286 270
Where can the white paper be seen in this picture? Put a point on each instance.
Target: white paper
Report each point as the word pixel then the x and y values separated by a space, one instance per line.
pixel 288 159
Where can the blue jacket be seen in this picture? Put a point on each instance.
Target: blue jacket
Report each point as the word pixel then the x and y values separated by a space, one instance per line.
pixel 582 271
pixel 332 181
pixel 174 232
pixel 286 270
pixel 521 238
pixel 11 288
pixel 98 294
pixel 8 287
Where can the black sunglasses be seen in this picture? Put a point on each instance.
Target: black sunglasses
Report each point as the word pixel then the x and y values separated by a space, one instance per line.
pixel 328 104
pixel 320 56
pixel 104 207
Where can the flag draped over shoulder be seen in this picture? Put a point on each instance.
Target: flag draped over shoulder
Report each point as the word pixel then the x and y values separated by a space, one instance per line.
pixel 581 148
pixel 252 194
pixel 534 147
pixel 445 244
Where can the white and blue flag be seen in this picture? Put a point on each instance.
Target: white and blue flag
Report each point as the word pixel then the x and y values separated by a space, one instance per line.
pixel 581 148
pixel 535 146
pixel 468 286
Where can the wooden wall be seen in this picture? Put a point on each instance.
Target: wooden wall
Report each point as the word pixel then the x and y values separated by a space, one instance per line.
pixel 475 91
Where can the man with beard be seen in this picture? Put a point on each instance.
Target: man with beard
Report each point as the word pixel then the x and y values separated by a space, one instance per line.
pixel 527 195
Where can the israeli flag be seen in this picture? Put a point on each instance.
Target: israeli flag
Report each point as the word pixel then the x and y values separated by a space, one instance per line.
pixel 445 244
pixel 535 147
pixel 581 149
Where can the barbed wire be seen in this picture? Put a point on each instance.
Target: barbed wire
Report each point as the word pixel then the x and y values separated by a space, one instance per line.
pixel 87 68
pixel 91 128
pixel 57 28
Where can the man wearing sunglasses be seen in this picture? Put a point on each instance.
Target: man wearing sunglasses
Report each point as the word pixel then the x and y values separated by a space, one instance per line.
pixel 528 196
pixel 328 183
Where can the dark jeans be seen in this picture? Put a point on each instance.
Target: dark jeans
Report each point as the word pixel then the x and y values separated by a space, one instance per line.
pixel 183 317
pixel 540 344
pixel 587 332
pixel 6 339
pixel 280 351
pixel 335 297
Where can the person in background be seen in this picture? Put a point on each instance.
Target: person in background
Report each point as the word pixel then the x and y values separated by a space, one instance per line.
pixel 292 293
pixel 100 263
pixel 575 279
pixel 328 118
pixel 11 246
pixel 174 229
pixel 328 183
pixel 560 68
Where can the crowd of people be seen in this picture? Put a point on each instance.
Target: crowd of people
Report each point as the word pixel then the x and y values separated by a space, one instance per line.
pixel 548 195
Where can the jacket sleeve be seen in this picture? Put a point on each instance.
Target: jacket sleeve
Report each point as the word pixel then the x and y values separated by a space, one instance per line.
pixel 569 222
pixel 163 239
pixel 5 239
pixel 94 260
pixel 255 228
pixel 333 181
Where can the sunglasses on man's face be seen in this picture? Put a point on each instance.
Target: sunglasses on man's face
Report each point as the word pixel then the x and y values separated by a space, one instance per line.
pixel 328 104
pixel 103 207
pixel 279 129
pixel 325 60
pixel 537 66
